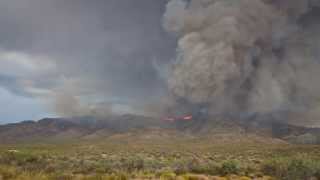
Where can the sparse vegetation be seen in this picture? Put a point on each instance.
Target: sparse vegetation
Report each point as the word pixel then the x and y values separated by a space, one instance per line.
pixel 172 159
pixel 299 167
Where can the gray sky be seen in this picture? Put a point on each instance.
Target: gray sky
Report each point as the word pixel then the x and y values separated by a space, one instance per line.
pixel 98 51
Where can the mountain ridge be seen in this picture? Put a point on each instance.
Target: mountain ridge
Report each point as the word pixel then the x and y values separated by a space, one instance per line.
pixel 125 126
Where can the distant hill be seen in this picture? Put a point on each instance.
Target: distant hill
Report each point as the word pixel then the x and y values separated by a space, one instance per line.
pixel 128 126
pixel 73 128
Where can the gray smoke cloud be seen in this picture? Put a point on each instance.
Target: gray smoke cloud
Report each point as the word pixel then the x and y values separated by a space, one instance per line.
pixel 247 56
pixel 84 57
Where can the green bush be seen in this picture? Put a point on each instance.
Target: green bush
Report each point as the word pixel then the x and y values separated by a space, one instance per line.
pixel 297 168
pixel 230 167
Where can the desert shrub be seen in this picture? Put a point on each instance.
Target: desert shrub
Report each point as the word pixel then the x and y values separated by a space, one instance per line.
pixel 276 167
pixel 154 164
pixel 212 168
pixel 181 166
pixel 229 167
pixel 249 170
pixel 195 166
pixel 24 161
pixel 101 170
pixel 84 169
pixel 203 167
pixel 184 166
pixel 123 176
pixel 297 168
pixel 18 158
pixel 300 169
pixel 132 164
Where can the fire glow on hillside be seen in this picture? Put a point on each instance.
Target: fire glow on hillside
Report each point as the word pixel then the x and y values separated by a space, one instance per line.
pixel 184 118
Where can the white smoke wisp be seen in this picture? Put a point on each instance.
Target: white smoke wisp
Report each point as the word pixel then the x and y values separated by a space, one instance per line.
pixel 254 56
pixel 68 105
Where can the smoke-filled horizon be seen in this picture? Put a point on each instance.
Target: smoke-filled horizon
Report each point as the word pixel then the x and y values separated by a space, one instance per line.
pixel 98 57
pixel 83 57
pixel 247 56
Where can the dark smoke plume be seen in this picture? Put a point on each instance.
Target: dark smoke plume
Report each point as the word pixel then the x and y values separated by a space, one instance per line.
pixel 247 56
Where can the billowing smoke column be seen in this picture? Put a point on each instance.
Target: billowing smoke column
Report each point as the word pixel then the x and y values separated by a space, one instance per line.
pixel 252 56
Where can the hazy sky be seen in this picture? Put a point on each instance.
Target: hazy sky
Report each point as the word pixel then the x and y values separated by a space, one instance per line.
pixel 99 51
